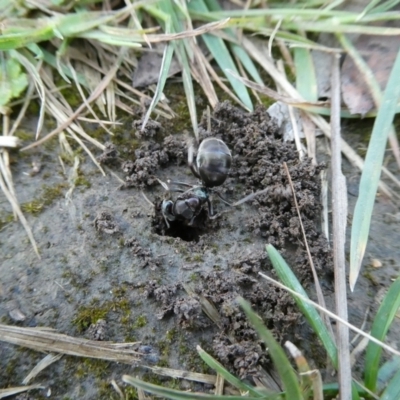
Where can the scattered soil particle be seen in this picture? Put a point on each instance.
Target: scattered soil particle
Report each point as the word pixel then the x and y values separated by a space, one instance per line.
pixel 163 294
pixel 143 255
pixel 141 172
pixel 105 223
pixel 151 129
pixel 110 155
pixel 98 331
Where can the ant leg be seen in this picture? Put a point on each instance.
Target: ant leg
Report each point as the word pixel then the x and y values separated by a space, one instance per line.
pixel 147 199
pixel 180 183
pixel 222 198
pixel 251 196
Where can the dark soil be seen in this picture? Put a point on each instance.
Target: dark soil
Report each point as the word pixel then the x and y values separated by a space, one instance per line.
pixel 111 269
pixel 258 157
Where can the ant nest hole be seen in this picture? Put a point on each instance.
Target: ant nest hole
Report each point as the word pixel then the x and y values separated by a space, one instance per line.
pixel 180 229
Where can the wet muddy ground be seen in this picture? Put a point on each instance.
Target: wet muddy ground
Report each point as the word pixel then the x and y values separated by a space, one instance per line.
pixel 111 269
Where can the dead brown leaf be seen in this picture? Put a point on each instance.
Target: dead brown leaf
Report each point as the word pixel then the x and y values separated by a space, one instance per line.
pixel 379 55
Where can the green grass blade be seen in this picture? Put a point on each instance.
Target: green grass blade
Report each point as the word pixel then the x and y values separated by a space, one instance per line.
pixel 383 319
pixel 17 40
pixel 224 59
pixel 177 394
pixel 13 80
pixel 217 367
pixel 239 52
pixel 289 279
pixel 50 59
pixel 282 364
pixel 167 8
pixel 392 392
pixel 110 39
pixel 165 67
pixel 188 86
pixel 372 171
pixel 247 62
pixel 306 81
pixel 220 52
pixel 386 372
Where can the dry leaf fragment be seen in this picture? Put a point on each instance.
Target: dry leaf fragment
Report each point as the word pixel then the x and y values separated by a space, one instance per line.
pixel 379 55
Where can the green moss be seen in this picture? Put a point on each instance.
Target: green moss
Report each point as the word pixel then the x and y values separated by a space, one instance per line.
pixel 130 393
pixel 70 93
pixel 46 198
pixel 140 322
pixel 164 347
pixel 197 258
pixel 24 135
pixel 33 207
pixel 194 277
pixel 82 181
pixel 171 335
pixel 99 368
pixel 88 315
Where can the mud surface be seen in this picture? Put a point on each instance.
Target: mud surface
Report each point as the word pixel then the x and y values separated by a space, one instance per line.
pixel 111 269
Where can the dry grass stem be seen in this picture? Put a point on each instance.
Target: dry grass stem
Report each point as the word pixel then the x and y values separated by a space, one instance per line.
pixel 204 80
pixel 117 389
pixel 222 85
pixel 219 385
pixel 324 202
pixel 95 94
pixel 19 389
pixel 339 213
pixel 191 376
pixel 14 204
pixel 47 340
pixel 41 365
pixel 309 133
pixel 9 141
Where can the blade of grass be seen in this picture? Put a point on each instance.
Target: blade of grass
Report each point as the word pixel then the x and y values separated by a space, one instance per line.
pixel 217 367
pixel 221 54
pixel 383 319
pixel 238 50
pixel 306 81
pixel 281 362
pixel 165 66
pixel 371 173
pixel 392 392
pixel 166 11
pixel 177 394
pixel 289 279
pixel 386 372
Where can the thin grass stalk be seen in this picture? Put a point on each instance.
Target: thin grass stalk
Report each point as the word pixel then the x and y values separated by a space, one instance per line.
pixel 320 296
pixel 16 209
